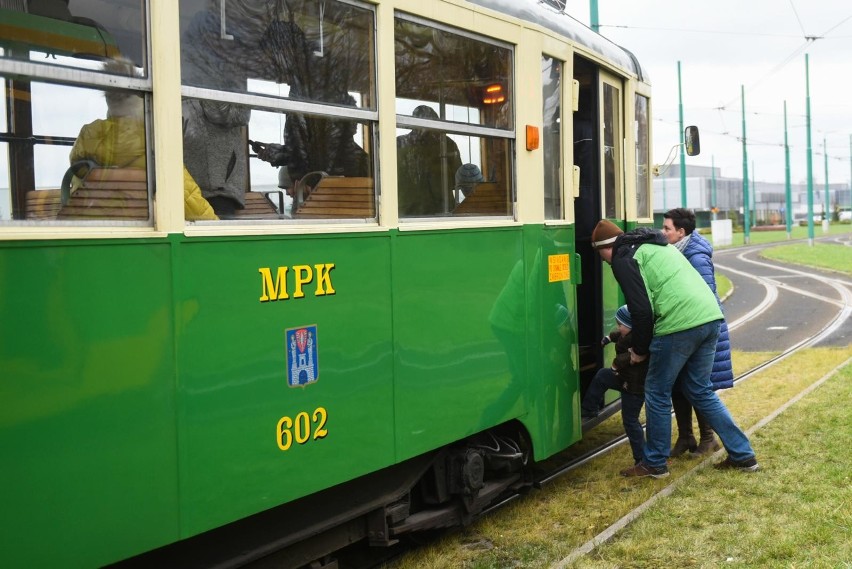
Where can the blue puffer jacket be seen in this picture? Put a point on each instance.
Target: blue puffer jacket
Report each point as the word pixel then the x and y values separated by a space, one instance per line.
pixel 699 253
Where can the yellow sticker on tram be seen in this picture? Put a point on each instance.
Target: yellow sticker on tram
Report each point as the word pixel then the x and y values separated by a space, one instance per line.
pixel 558 268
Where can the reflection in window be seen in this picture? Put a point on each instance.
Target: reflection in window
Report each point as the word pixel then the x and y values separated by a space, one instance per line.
pixel 454 143
pixel 551 80
pixel 643 159
pixel 470 80
pixel 312 51
pixel 78 34
pixel 274 161
pixel 611 151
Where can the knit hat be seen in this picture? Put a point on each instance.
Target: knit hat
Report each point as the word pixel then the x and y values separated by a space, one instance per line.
pixel 468 174
pixel 605 234
pixel 622 316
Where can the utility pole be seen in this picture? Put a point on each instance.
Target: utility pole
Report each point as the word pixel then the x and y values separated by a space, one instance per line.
pixel 746 220
pixel 825 208
pixel 810 157
pixel 593 12
pixel 682 143
pixel 788 190
pixel 713 184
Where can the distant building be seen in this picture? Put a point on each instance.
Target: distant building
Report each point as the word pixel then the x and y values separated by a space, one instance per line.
pixel 767 199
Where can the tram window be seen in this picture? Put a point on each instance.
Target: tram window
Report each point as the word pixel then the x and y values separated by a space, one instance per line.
pixel 76 154
pixel 312 51
pixel 454 121
pixel 611 151
pixel 56 116
pixel 643 159
pixel 74 34
pixel 551 80
pixel 284 136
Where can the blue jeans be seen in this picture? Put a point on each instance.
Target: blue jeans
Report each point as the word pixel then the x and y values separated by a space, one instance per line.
pixel 687 357
pixel 631 406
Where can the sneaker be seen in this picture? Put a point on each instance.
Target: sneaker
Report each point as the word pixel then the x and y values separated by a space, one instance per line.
pixel 641 470
pixel 747 465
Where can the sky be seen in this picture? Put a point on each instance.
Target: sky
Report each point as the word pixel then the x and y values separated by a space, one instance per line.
pixel 725 45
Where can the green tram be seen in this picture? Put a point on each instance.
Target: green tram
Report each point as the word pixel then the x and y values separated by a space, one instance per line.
pixel 320 268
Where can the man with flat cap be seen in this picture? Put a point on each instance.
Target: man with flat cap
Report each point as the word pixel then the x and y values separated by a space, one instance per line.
pixel 676 322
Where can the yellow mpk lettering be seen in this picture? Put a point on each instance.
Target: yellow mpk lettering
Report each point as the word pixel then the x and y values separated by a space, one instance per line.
pixel 276 290
pixel 324 279
pixel 303 275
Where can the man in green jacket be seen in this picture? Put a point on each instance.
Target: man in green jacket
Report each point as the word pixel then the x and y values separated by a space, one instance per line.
pixel 676 321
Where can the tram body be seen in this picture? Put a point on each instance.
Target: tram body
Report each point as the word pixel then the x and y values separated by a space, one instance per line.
pixel 165 378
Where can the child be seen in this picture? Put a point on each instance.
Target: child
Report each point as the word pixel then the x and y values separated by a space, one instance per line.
pixel 629 379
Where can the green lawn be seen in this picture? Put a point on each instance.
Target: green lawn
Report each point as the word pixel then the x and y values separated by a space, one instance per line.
pixel 799 232
pixel 831 256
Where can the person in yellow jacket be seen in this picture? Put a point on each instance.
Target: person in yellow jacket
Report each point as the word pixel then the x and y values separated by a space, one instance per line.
pixel 119 141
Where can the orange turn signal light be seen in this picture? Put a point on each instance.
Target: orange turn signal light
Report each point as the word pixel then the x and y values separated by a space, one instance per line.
pixel 532 137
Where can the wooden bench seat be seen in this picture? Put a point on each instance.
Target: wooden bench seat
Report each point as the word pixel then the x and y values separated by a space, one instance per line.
pixel 258 205
pixel 43 204
pixel 338 197
pixel 487 198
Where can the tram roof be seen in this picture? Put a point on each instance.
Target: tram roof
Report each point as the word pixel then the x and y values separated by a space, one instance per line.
pixel 539 12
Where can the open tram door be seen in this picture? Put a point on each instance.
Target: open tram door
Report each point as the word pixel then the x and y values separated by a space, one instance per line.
pixel 598 153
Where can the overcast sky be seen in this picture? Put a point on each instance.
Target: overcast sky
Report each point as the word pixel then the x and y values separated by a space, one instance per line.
pixel 760 44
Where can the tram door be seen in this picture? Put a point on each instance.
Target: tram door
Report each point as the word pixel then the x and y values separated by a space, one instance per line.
pixel 598 134
pixel 611 117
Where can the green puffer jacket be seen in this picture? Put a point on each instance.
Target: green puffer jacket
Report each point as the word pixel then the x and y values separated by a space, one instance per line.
pixel 120 142
pixel 664 292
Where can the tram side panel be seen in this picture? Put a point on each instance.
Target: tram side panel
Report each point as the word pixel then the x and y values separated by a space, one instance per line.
pixel 282 392
pixel 87 390
pixel 477 340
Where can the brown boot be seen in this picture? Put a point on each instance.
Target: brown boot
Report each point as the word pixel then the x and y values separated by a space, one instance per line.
pixel 683 417
pixel 708 443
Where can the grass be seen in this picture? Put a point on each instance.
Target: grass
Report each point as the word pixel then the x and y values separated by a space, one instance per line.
pixel 723 285
pixel 831 256
pixel 712 517
pixel 796 512
pixel 799 232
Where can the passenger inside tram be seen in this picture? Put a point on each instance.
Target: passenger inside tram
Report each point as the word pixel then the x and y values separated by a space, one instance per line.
pixel 427 162
pixel 119 142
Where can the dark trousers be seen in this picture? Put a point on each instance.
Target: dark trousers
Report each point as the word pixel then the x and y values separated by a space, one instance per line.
pixel 631 406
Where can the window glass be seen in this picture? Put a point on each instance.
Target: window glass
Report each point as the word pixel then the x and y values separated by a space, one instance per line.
pixel 643 159
pixel 304 49
pixel 454 115
pixel 469 79
pixel 275 157
pixel 80 34
pixel 442 174
pixel 551 80
pixel 72 149
pixel 74 153
pixel 611 151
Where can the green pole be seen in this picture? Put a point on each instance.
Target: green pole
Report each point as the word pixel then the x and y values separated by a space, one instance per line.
pixel 788 189
pixel 593 10
pixel 753 194
pixel 682 143
pixel 713 184
pixel 746 220
pixel 825 208
pixel 810 158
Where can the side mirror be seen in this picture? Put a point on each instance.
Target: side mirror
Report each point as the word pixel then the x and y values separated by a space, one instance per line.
pixel 692 141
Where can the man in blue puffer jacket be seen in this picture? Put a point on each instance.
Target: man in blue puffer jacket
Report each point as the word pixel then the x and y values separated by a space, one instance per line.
pixel 679 229
pixel 676 320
